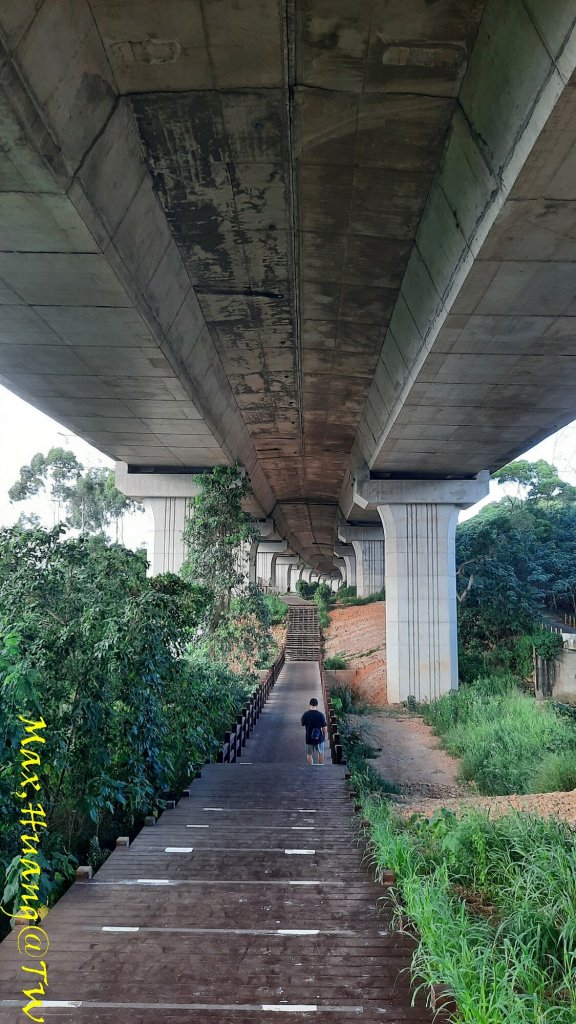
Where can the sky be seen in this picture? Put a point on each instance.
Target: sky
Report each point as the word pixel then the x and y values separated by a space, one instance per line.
pixel 25 431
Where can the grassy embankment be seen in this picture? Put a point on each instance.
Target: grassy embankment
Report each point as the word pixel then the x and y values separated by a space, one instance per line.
pixel 493 902
pixel 507 741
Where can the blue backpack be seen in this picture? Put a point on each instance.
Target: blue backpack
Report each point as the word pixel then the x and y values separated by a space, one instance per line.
pixel 316 736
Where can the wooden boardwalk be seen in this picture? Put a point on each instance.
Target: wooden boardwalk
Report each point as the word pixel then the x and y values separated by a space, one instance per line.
pixel 249 903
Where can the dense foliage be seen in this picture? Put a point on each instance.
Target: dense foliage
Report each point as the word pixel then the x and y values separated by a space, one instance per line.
pixel 103 653
pixel 516 564
pixel 216 531
pixel 234 628
pixel 277 609
pixel 306 590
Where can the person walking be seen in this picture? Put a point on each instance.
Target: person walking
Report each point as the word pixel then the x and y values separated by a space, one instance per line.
pixel 315 724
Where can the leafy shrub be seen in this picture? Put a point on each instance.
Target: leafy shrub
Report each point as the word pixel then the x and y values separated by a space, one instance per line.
pixel 335 662
pixel 93 645
pixel 277 608
pixel 306 590
pixel 345 592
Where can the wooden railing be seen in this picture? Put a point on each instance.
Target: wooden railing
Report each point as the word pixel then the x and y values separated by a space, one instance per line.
pixel 333 734
pixel 236 738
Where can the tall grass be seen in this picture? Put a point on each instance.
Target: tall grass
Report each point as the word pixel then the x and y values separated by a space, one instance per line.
pixel 494 903
pixel 507 742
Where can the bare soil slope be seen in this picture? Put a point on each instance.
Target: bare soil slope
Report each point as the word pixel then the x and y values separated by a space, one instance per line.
pixel 428 777
pixel 358 633
pixel 409 752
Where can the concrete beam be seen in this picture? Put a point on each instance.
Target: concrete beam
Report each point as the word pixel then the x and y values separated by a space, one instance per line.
pixel 523 59
pixel 151 485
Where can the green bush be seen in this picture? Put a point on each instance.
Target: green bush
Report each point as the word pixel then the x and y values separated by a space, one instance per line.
pixel 96 648
pixel 306 590
pixel 347 602
pixel 506 740
pixel 345 592
pixel 335 662
pixel 277 608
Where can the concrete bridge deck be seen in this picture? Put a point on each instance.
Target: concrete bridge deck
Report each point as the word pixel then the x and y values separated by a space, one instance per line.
pixel 248 903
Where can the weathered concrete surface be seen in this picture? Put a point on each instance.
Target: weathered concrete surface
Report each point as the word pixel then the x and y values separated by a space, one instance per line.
pixel 228 232
pixel 465 380
pixel 419 519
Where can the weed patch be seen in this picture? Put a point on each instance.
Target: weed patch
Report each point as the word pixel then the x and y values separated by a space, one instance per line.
pixel 507 742
pixel 494 903
pixel 335 662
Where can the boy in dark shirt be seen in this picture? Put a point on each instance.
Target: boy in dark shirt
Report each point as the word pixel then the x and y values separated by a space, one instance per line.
pixel 315 725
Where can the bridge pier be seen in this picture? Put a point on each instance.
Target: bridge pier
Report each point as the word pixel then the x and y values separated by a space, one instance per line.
pixel 280 571
pixel 345 553
pixel 166 496
pixel 368 546
pixel 264 557
pixel 419 519
pixel 264 528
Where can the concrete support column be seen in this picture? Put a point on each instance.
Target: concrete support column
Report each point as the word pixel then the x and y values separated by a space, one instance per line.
pixel 166 548
pixel 419 519
pixel 341 566
pixel 264 528
pixel 265 557
pixel 294 571
pixel 347 554
pixel 368 546
pixel 167 496
pixel 281 565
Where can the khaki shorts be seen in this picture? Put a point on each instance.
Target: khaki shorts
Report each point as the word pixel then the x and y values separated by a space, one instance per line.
pixel 312 748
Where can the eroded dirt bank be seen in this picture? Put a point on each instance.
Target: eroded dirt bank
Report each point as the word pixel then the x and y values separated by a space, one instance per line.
pixel 358 633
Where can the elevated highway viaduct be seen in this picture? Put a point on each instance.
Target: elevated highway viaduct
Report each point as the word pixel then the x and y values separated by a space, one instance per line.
pixel 334 240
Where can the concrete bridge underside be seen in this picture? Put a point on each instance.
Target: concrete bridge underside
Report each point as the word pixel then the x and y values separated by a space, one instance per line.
pixel 330 240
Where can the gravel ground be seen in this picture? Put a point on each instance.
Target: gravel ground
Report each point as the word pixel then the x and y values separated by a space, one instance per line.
pixel 557 805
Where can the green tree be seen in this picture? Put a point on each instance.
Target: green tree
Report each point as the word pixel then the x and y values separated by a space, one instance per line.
pixel 89 498
pixel 218 534
pixel 541 479
pixel 516 564
pixel 52 474
pixel 217 531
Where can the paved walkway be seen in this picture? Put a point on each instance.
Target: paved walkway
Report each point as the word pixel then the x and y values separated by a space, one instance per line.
pixel 247 904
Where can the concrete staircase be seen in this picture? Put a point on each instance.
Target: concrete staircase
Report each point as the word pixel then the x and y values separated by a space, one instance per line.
pixel 303 640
